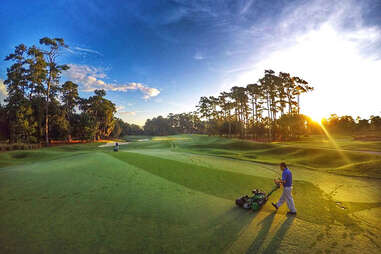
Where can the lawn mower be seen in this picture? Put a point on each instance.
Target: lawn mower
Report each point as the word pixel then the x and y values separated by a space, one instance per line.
pixel 256 201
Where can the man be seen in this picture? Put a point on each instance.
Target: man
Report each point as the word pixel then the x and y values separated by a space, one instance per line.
pixel 287 189
pixel 116 147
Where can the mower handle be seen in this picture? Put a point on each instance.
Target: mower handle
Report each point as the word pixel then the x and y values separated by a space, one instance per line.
pixel 274 189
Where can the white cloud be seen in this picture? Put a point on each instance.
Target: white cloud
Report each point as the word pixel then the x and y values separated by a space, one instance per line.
pixel 321 48
pixel 83 51
pixel 120 108
pixel 3 91
pixel 246 6
pixel 90 79
pixel 135 117
pixel 88 51
pixel 199 56
pixel 127 113
pixel 123 114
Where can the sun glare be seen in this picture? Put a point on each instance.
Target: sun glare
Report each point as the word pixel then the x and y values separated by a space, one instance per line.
pixel 316 117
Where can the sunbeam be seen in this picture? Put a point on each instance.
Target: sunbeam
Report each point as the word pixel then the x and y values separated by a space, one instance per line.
pixel 334 143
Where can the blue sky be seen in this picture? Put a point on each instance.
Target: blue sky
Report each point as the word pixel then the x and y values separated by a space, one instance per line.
pixel 157 57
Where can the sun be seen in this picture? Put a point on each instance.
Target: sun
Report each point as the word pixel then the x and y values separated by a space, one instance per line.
pixel 316 117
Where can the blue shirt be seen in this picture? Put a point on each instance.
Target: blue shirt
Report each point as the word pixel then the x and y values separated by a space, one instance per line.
pixel 287 178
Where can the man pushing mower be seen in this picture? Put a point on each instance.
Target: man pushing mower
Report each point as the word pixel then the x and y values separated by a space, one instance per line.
pixel 287 190
pixel 259 197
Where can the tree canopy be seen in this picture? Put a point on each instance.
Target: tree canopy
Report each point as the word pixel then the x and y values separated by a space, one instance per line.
pixel 39 107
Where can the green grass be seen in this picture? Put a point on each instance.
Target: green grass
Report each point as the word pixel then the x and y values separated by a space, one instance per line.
pixel 175 196
pixel 95 200
pixel 344 142
pixel 309 154
pixel 136 137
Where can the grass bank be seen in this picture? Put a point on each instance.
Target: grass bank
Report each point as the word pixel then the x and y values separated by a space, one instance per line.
pixel 341 158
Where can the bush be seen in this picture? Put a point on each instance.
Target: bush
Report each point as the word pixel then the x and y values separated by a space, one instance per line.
pixel 18 146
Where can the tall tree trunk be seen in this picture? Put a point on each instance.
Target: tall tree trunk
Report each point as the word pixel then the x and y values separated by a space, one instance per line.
pixel 230 128
pixel 47 123
pixel 256 110
pixel 252 103
pixel 269 115
pixel 298 105
pixel 47 112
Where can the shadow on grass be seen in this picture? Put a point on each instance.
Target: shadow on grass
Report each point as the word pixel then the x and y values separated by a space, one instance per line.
pixel 259 240
pixel 274 244
pixel 226 229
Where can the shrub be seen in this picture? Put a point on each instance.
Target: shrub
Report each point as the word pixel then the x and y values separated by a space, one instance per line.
pixel 18 146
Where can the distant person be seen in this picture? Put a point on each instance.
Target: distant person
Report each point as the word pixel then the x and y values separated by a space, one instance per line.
pixel 287 190
pixel 116 147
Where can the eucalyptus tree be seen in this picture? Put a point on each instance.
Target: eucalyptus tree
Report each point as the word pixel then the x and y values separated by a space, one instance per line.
pixel 173 121
pixel 240 101
pixel 101 112
pixel 256 95
pixel 118 128
pixel 204 107
pixel 34 75
pixel 4 123
pixel 289 88
pixel 300 88
pixel 70 99
pixel 214 104
pixel 268 83
pixel 240 98
pixel 17 73
pixel 226 106
pixel 22 124
pixel 273 87
pixel 222 101
pixel 70 96
pixel 281 93
pixel 53 72
pixel 375 122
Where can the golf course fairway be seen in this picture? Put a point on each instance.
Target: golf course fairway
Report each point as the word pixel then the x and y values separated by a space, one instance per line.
pixel 176 195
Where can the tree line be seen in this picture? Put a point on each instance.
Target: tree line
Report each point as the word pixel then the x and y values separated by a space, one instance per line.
pixel 267 110
pixel 348 125
pixel 40 108
pixel 184 124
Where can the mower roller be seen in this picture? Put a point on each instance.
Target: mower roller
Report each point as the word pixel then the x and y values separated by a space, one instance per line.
pixel 256 201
